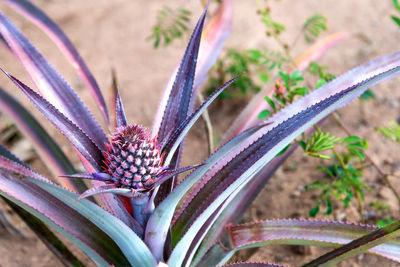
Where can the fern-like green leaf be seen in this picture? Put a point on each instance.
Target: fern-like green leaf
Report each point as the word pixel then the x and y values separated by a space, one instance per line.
pixel 313 26
pixel 318 142
pixel 391 132
pixel 171 25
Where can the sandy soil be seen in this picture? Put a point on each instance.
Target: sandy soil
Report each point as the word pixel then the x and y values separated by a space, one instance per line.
pixel 112 34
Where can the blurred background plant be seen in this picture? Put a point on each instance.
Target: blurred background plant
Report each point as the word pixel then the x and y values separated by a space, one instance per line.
pixel 171 25
pixel 396 19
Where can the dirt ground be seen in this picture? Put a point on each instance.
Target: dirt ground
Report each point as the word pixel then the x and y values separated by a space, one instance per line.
pixel 112 34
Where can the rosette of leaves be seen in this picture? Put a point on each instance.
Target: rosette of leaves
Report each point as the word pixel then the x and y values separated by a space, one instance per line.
pixel 151 220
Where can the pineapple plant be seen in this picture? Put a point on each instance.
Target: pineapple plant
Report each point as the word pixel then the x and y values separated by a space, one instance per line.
pixel 144 217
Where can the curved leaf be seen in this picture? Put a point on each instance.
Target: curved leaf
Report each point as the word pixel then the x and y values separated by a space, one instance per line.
pixel 248 116
pixel 180 133
pixel 211 44
pixel 369 241
pixel 130 244
pixel 49 239
pixel 233 173
pixel 49 82
pixel 236 208
pixel 89 238
pixel 234 212
pixel 67 48
pixel 305 232
pixel 44 144
pixel 108 188
pixel 179 104
pixel 157 225
pixel 180 97
pixel 38 227
pixel 73 133
pixel 60 206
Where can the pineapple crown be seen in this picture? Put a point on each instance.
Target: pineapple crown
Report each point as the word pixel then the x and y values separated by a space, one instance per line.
pixel 133 159
pixel 133 163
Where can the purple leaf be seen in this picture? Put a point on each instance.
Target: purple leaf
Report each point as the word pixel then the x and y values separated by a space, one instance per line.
pixel 115 207
pixel 179 102
pixel 107 188
pixel 248 116
pixel 307 232
pixel 211 44
pixel 169 174
pixel 112 202
pixel 365 242
pixel 239 205
pixel 22 169
pixel 123 234
pixel 116 104
pixel 119 112
pixel 91 176
pixel 234 212
pixel 45 145
pixel 231 174
pixel 119 211
pixel 73 133
pixel 158 223
pixel 99 246
pixel 176 138
pixel 7 154
pixel 49 82
pixel 131 245
pixel 67 48
pixel 49 239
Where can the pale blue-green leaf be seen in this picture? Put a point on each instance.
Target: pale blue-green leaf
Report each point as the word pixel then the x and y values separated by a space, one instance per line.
pixel 233 213
pixel 305 232
pixel 313 107
pixel 358 246
pixel 131 245
pixel 157 226
pixel 44 144
pixel 88 237
pixel 284 123
pixel 87 250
